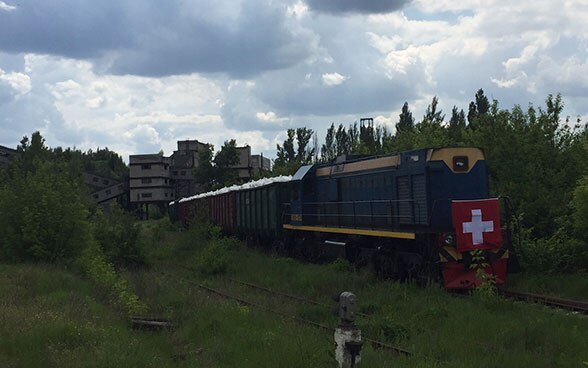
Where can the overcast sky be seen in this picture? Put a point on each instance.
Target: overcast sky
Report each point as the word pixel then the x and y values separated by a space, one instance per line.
pixel 136 76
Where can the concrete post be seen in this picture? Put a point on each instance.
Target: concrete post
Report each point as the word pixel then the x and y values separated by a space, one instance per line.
pixel 347 334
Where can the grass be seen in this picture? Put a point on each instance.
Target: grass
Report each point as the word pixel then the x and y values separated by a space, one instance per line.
pixel 50 317
pixel 571 286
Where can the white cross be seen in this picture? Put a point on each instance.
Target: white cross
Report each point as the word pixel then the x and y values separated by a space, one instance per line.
pixel 478 227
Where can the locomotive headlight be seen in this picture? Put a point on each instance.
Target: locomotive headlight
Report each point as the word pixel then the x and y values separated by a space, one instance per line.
pixel 449 239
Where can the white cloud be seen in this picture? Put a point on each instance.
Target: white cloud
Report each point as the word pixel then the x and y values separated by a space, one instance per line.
pixel 269 116
pixel 20 82
pixel 298 9
pixel 333 79
pixel 505 83
pixel 6 7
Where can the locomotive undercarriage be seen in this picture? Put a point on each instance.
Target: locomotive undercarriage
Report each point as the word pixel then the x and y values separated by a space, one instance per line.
pixel 406 260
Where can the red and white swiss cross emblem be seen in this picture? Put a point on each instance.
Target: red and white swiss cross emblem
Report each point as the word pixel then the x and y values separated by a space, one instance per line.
pixel 477 224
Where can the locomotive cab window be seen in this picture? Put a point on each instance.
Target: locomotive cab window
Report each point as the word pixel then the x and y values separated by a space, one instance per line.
pixel 461 163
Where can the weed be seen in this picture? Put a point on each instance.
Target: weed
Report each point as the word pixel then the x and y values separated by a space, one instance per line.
pixel 94 264
pixel 487 281
pixel 214 258
pixel 341 265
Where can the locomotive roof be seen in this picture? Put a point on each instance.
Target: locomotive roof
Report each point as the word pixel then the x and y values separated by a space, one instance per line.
pixel 413 157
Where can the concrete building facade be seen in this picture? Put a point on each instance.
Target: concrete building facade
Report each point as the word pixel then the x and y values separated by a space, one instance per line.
pixel 183 163
pixel 260 163
pixel 149 179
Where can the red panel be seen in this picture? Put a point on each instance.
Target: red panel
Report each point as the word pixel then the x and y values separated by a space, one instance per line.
pixel 477 224
pixel 455 276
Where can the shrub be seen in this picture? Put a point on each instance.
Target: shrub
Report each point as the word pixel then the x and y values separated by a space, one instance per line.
pixel 43 214
pixel 341 265
pixel 199 232
pixel 214 258
pixel 94 265
pixel 161 227
pixel 118 235
pixel 559 253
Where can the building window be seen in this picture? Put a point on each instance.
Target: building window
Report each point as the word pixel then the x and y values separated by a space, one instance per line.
pixel 95 179
pixel 146 181
pixel 165 195
pixel 96 196
pixel 146 195
pixel 175 172
pixel 108 192
pixel 105 181
pixel 145 167
pixel 183 173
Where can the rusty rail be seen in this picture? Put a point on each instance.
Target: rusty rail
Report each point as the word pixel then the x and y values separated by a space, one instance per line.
pixel 566 304
pixel 286 295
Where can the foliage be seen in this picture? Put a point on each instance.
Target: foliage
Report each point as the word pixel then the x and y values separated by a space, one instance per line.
pixel 559 253
pixel 218 172
pixel 294 152
pixel 43 210
pixel 205 172
pixel 214 259
pixel 487 281
pixel 93 262
pixel 341 265
pixel 580 209
pixel 117 234
pixel 224 162
pixel 533 159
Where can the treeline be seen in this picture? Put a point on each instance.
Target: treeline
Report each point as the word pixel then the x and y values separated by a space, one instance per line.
pixel 535 156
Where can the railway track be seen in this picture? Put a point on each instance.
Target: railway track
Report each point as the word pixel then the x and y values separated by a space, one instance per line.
pixel 566 304
pixel 286 295
pixel 376 344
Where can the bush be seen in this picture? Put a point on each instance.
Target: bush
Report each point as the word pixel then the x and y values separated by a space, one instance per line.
pixel 161 227
pixel 341 265
pixel 101 273
pixel 118 235
pixel 215 257
pixel 200 232
pixel 559 253
pixel 43 214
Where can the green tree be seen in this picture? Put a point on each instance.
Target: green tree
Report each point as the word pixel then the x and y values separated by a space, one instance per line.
pixel 294 152
pixel 224 162
pixel 43 212
pixel 406 121
pixel 479 107
pixel 430 132
pixel 457 125
pixel 204 172
pixel 329 148
pixel 370 138
pixel 403 139
pixel 533 158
